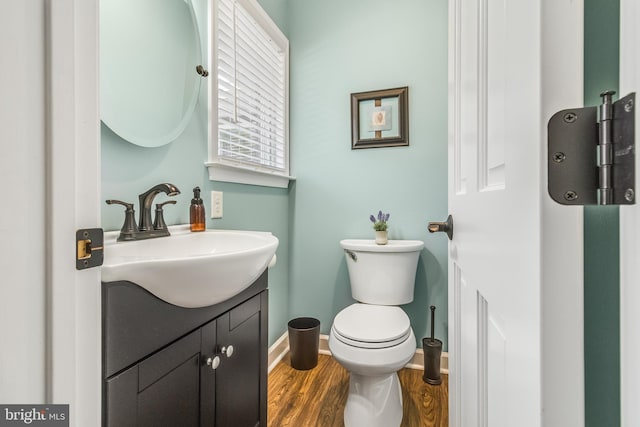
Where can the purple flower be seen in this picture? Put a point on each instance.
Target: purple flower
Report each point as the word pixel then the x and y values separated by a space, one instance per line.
pixel 380 224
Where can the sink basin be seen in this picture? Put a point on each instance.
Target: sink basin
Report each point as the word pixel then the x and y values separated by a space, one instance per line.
pixel 191 269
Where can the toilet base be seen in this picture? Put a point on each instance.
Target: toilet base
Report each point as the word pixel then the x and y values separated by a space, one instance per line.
pixel 373 401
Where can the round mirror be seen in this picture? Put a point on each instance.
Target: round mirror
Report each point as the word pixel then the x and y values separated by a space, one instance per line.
pixel 149 51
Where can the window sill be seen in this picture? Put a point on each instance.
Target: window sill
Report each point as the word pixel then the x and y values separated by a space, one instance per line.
pixel 230 173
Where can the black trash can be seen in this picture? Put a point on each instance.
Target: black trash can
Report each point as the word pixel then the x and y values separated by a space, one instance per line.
pixel 304 339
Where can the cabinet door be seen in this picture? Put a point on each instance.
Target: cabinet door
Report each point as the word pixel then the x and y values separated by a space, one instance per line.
pixel 241 377
pixel 163 390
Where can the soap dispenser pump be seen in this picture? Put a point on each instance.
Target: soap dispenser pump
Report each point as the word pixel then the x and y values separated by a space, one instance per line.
pixel 197 211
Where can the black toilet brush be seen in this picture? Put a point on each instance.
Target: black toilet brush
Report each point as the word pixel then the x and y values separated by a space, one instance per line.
pixel 432 349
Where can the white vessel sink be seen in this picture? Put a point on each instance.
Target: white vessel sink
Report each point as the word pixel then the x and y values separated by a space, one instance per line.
pixel 191 269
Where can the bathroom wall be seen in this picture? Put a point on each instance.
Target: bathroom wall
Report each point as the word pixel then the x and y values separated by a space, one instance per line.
pixel 128 170
pixel 338 48
pixel 278 11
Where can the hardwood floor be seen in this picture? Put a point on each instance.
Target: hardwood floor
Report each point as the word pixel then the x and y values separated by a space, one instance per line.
pixel 316 398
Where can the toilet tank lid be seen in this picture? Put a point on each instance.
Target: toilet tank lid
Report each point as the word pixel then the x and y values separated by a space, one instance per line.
pixel 372 323
pixel 365 245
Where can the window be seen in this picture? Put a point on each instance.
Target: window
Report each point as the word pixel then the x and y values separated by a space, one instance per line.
pixel 249 128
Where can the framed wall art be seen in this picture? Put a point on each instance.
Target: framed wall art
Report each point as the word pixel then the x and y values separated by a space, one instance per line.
pixel 380 118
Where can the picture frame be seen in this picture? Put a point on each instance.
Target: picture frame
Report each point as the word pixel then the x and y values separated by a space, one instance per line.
pixel 380 118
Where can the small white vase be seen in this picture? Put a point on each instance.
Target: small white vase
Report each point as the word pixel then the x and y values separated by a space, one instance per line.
pixel 381 237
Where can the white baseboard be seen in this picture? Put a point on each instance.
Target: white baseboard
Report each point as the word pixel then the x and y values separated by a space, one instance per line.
pixel 278 350
pixel 281 347
pixel 324 345
pixel 417 362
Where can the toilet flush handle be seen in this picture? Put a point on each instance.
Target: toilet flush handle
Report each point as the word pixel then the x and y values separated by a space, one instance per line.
pixel 352 254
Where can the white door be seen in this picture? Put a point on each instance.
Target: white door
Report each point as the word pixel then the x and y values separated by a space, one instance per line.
pixel 630 230
pixel 515 261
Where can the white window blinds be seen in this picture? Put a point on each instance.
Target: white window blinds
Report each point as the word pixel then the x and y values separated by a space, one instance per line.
pixel 252 104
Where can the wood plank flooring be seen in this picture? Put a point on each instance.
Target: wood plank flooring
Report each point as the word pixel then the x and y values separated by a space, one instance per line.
pixel 316 398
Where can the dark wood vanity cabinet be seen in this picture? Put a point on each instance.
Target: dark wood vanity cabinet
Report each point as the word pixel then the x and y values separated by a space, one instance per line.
pixel 159 369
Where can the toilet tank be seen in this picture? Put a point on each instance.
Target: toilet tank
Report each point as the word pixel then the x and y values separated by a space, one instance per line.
pixel 382 274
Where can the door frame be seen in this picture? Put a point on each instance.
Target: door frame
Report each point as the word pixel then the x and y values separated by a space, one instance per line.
pixel 73 332
pixel 562 280
pixel 629 233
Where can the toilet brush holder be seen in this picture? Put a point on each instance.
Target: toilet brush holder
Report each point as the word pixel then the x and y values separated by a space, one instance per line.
pixel 432 349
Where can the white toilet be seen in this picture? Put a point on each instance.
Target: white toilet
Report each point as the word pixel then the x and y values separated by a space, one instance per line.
pixel 373 338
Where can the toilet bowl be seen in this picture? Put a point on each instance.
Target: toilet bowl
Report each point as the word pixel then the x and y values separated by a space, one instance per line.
pixel 372 338
pixel 375 396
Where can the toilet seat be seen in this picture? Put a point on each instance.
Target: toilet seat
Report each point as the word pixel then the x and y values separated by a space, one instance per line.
pixel 371 326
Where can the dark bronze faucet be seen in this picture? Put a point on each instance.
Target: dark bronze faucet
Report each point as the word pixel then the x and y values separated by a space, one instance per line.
pixel 146 201
pixel 146 229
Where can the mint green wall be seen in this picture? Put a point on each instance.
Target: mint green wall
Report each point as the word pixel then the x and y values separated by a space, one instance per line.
pixel 341 47
pixel 128 170
pixel 601 224
pixel 279 12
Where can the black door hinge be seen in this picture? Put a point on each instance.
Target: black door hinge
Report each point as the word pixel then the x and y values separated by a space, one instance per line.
pixel 591 155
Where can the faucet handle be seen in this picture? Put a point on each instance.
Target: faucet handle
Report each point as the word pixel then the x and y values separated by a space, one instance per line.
pixel 158 223
pixel 129 228
pixel 168 202
pixel 120 202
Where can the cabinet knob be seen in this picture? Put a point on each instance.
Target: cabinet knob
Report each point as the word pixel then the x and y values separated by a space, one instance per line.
pixel 228 350
pixel 213 362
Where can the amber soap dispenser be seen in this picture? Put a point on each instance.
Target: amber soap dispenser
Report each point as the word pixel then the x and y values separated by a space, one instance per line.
pixel 196 211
